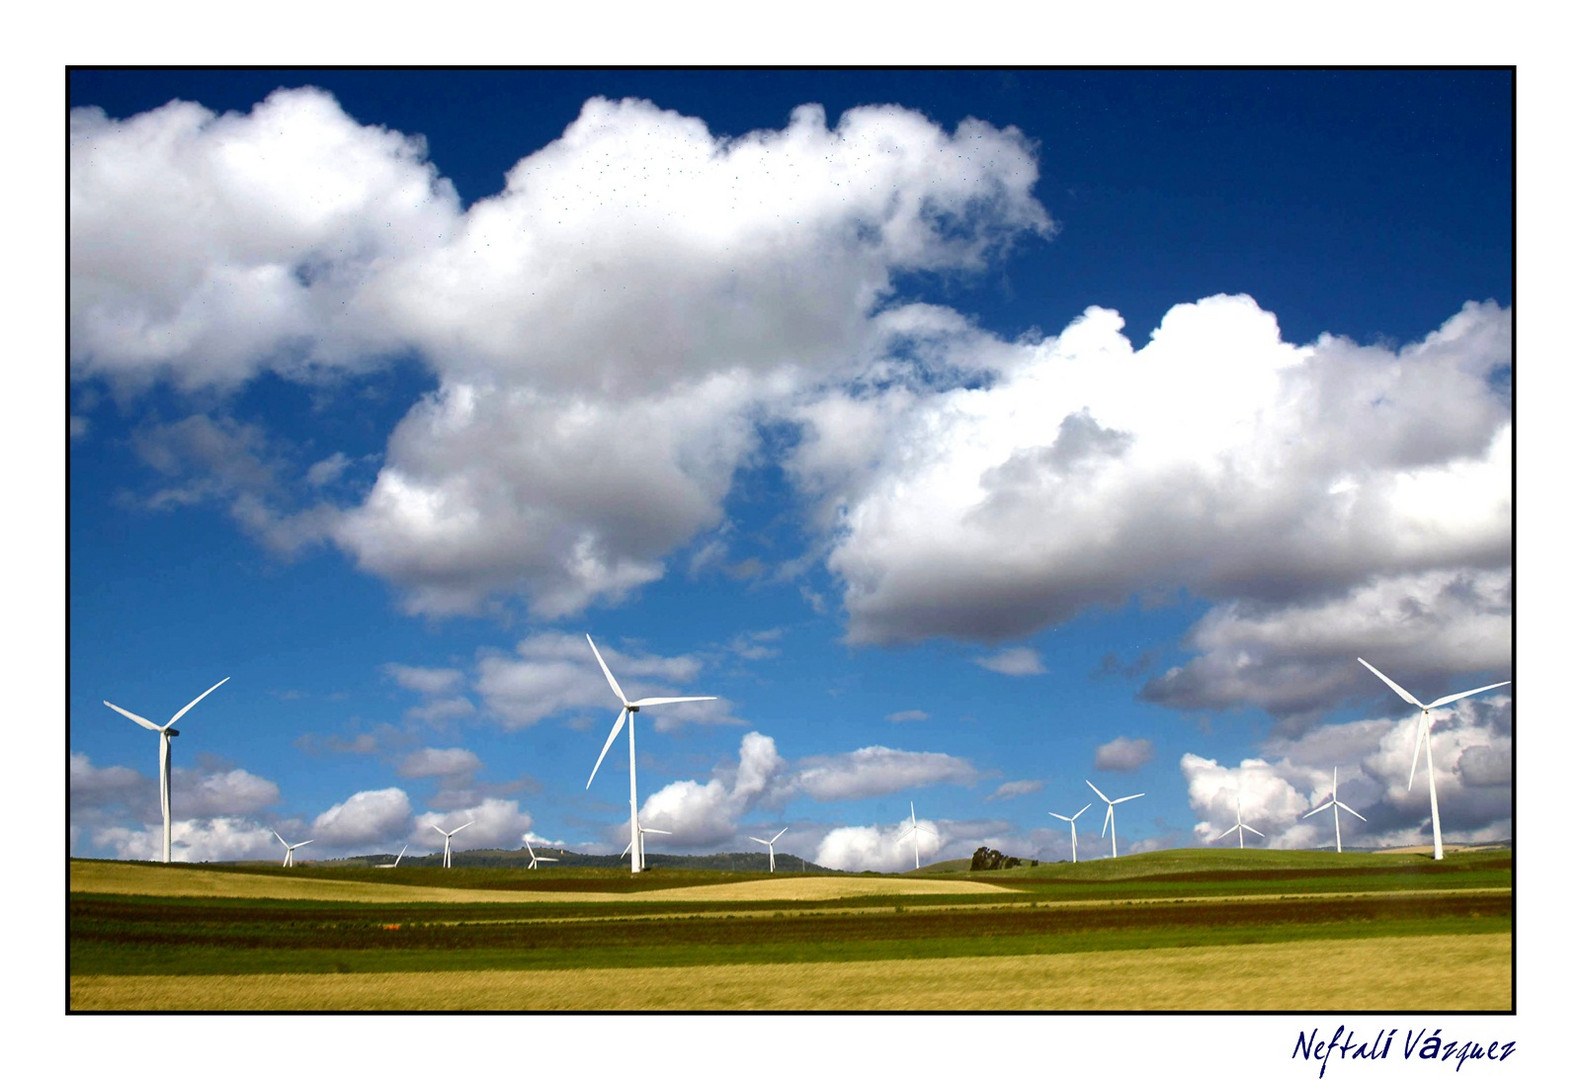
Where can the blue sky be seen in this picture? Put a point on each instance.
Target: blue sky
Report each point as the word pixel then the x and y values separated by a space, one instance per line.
pixel 972 435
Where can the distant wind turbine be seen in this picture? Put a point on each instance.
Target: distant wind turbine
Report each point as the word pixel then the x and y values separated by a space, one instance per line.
pixel 1072 820
pixel 290 849
pixel 1238 827
pixel 629 709
pixel 1424 728
pixel 770 843
pixel 447 836
pixel 534 856
pixel 392 865
pixel 642 844
pixel 912 830
pixel 1108 819
pixel 1338 806
pixel 167 733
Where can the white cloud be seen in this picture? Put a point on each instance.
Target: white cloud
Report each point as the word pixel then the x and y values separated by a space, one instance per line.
pixel 906 716
pixel 428 681
pixel 231 793
pixel 551 672
pixel 992 510
pixel 1013 789
pixel 607 331
pixel 1124 755
pixel 1472 749
pixel 878 770
pixel 1018 660
pixel 496 823
pixel 448 764
pixel 367 818
pixel 219 839
pixel 885 849
pixel 704 814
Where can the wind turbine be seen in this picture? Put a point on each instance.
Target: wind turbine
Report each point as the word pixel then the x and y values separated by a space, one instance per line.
pixel 536 859
pixel 629 708
pixel 1238 827
pixel 912 831
pixel 391 865
pixel 1072 820
pixel 167 733
pixel 290 859
pixel 770 843
pixel 1337 805
pixel 1108 819
pixel 1424 728
pixel 642 844
pixel 447 836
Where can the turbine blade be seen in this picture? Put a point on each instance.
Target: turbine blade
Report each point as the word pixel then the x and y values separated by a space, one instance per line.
pixel 1226 832
pixel 149 724
pixel 755 838
pixel 199 698
pixel 1348 810
pixel 1062 817
pixel 1396 687
pixel 1128 798
pixel 1107 819
pixel 620 722
pixel 1468 693
pixel 280 838
pixel 781 833
pixel 625 850
pixel 1094 786
pixel 1319 810
pixel 668 700
pixel 662 832
pixel 1416 755
pixel 304 843
pixel 458 828
pixel 1249 829
pixel 1079 813
pixel 440 831
pixel 613 685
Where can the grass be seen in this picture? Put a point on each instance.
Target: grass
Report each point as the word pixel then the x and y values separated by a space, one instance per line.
pixel 356 927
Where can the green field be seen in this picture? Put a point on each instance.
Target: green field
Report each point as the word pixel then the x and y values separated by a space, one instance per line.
pixel 1262 928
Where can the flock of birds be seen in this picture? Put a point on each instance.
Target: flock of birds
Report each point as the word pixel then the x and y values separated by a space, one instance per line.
pixel 636 846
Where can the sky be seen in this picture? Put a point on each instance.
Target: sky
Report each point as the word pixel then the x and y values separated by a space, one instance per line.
pixel 974 437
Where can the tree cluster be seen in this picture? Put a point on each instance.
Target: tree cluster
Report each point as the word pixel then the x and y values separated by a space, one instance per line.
pixel 985 858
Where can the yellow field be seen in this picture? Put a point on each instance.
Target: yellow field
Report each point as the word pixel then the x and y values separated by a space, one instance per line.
pixel 154 880
pixel 1391 974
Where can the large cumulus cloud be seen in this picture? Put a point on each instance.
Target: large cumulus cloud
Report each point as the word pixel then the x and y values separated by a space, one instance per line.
pixel 1286 482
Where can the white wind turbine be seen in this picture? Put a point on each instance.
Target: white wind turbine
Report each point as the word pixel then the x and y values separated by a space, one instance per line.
pixel 290 849
pixel 1072 820
pixel 770 843
pixel 447 836
pixel 1424 728
pixel 167 733
pixel 1238 827
pixel 628 709
pixel 912 830
pixel 534 856
pixel 642 844
pixel 392 865
pixel 1108 819
pixel 1338 806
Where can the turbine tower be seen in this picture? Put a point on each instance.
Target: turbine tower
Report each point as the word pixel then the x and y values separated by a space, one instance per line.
pixel 1072 820
pixel 290 849
pixel 629 709
pixel 1108 819
pixel 642 844
pixel 1424 728
pixel 770 843
pixel 536 859
pixel 391 865
pixel 447 836
pixel 912 830
pixel 1338 806
pixel 167 733
pixel 1238 827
